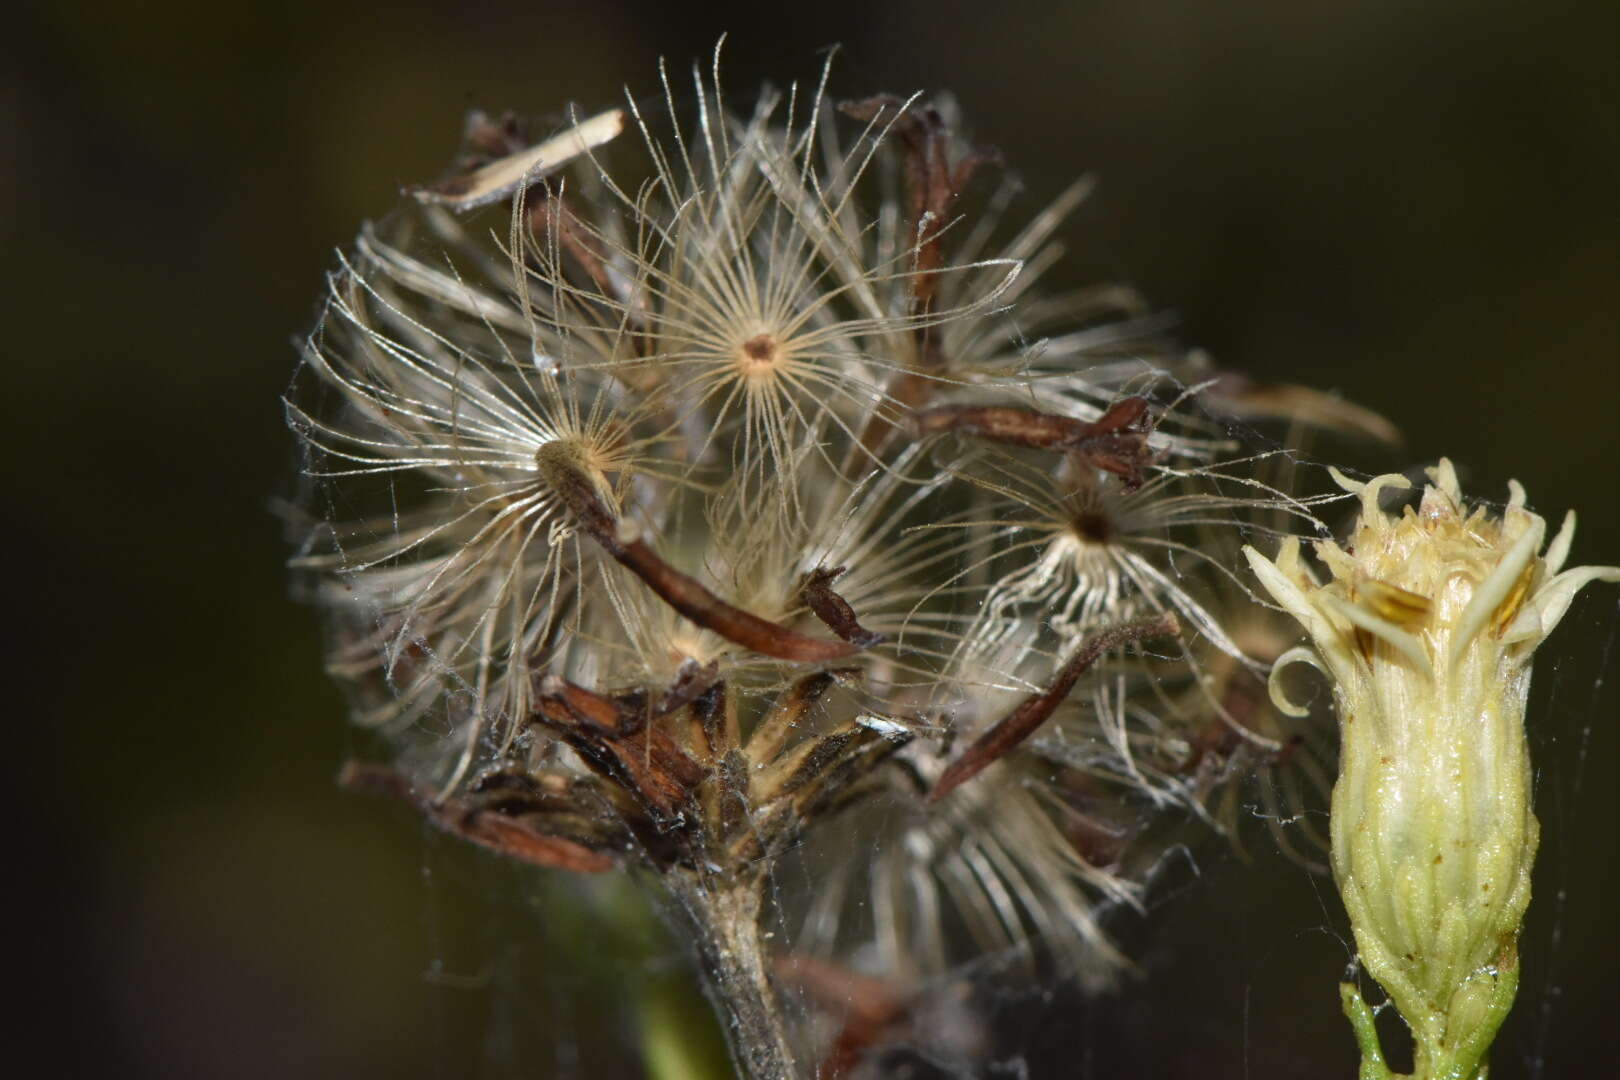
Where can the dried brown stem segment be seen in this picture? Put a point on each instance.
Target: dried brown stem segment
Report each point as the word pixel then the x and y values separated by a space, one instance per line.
pixel 1030 427
pixel 1036 709
pixel 833 609
pixel 1115 442
pixel 933 182
pixel 567 476
pixel 488 828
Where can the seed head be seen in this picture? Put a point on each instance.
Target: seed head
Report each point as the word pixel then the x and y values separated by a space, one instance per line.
pixel 722 487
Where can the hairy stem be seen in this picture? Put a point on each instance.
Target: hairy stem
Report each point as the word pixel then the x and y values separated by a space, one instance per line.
pixel 736 972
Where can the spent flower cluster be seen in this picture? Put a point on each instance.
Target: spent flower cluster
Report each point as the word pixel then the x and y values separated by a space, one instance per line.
pixel 686 479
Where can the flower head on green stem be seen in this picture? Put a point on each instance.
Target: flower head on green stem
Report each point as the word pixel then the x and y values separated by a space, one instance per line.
pixel 1427 627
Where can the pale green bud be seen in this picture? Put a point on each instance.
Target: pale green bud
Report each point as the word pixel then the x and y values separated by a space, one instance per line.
pixel 1427 629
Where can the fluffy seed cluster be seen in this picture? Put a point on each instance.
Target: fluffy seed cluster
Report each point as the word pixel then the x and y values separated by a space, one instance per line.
pixel 737 475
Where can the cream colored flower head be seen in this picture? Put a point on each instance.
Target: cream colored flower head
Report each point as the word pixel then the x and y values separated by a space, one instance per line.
pixel 1437 589
pixel 1427 628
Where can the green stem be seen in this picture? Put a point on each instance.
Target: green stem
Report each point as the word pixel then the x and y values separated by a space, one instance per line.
pixel 1361 1020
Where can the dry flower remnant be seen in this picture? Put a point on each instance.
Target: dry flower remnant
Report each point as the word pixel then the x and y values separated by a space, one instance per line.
pixel 1427 628
pixel 684 479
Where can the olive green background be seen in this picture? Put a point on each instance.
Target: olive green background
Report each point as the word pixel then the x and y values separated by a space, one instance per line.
pixel 1413 203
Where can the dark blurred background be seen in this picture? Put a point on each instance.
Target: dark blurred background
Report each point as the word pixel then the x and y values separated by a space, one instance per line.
pixel 1412 203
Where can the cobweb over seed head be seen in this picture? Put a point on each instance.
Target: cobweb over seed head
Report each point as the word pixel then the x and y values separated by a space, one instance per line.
pixel 738 476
